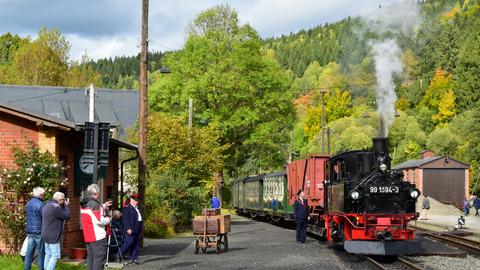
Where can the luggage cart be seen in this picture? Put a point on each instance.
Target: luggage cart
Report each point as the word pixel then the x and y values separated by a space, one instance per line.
pixel 211 231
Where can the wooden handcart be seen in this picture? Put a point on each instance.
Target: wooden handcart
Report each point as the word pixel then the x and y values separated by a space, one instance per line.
pixel 210 231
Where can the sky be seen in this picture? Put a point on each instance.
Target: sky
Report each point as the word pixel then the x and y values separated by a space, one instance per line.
pixel 108 28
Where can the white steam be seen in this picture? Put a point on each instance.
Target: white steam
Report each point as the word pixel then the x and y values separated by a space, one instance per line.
pixel 386 56
pixel 401 18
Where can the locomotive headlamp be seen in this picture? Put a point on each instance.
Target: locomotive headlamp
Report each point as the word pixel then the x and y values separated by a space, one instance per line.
pixel 383 167
pixel 414 193
pixel 355 194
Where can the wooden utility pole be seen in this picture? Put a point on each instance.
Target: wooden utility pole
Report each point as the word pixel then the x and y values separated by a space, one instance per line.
pixel 142 142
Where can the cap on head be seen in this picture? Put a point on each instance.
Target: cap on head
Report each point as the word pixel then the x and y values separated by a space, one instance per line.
pixel 134 196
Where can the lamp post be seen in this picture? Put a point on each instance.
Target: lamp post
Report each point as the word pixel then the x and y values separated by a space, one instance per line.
pixel 323 91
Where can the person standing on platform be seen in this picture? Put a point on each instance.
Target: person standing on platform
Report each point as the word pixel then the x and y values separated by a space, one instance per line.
pixel 94 221
pixel 215 202
pixel 466 208
pixel 425 207
pixel 55 212
pixel 301 216
pixel 476 205
pixel 132 227
pixel 34 209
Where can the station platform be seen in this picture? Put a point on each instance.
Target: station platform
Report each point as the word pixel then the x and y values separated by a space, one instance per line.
pixel 444 217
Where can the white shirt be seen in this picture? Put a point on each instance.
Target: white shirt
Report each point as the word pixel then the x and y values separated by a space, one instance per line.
pixel 138 212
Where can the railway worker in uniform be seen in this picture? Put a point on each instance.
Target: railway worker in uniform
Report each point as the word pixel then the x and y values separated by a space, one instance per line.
pixel 132 227
pixel 300 215
pixel 425 207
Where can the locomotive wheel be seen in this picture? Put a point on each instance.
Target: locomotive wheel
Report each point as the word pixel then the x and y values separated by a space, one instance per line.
pixel 197 246
pixel 253 215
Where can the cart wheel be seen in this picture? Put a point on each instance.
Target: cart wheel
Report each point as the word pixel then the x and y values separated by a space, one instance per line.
pixel 225 242
pixel 197 246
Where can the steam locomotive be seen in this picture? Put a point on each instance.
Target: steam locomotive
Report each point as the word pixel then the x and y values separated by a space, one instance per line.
pixel 355 199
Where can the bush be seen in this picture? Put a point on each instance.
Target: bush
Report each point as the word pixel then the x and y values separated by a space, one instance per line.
pixel 159 223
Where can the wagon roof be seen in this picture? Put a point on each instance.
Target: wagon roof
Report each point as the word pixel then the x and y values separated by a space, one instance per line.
pixel 276 174
pixel 255 178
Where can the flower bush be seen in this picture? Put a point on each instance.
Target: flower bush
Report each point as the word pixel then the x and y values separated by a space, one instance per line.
pixel 32 168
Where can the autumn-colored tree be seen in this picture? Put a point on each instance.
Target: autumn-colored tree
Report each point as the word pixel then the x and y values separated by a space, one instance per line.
pixel 446 109
pixel 82 74
pixel 440 84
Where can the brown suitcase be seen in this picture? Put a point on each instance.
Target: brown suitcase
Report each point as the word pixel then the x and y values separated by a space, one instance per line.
pixel 198 225
pixel 211 211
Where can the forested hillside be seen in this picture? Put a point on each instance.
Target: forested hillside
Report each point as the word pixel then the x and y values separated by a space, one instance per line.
pixel 438 91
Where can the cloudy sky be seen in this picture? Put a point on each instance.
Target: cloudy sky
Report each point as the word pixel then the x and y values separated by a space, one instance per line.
pixel 107 28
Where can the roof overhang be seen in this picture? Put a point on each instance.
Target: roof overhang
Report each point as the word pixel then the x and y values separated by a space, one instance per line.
pixel 125 145
pixel 39 119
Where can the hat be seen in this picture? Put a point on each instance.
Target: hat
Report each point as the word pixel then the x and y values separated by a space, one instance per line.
pixel 300 191
pixel 134 196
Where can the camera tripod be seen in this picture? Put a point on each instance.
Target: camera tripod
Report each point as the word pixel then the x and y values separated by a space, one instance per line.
pixel 110 245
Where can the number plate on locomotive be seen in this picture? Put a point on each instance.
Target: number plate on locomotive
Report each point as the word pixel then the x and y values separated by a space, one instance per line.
pixel 384 189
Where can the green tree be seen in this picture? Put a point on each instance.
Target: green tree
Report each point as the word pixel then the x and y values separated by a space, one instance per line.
pixel 443 141
pixel 233 83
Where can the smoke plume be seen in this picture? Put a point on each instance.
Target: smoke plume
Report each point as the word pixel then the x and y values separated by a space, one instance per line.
pixel 386 23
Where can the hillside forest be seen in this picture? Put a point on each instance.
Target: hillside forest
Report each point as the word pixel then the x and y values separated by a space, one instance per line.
pixel 256 100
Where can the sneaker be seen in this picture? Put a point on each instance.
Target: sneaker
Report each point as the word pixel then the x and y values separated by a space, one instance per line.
pixel 137 262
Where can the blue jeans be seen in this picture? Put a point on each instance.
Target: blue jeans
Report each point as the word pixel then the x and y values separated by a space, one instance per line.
pixel 52 254
pixel 34 241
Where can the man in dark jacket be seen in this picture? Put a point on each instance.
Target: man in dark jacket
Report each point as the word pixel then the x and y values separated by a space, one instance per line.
pixel 55 212
pixel 132 227
pixel 34 210
pixel 476 205
pixel 300 215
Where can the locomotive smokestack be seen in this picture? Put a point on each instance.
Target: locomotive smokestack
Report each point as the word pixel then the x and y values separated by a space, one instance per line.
pixel 380 147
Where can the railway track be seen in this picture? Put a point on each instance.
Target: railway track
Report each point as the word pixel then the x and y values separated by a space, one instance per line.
pixel 464 243
pixel 398 263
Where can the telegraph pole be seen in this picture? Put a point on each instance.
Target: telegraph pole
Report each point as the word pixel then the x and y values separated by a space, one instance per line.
pixel 142 142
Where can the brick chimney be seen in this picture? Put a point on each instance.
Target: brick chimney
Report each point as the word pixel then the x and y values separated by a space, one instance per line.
pixel 426 154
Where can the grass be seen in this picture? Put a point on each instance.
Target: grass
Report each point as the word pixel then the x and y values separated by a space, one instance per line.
pixel 16 263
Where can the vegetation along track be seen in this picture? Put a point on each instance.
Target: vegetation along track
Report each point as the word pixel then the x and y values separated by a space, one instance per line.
pixel 464 243
pixel 398 263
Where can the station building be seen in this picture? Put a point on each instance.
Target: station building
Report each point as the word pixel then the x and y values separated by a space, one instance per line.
pixel 440 177
pixel 52 118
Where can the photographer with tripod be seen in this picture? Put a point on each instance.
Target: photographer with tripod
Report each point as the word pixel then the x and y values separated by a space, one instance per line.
pixel 94 221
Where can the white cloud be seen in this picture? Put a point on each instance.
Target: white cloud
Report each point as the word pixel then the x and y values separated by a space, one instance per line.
pixel 107 28
pixel 103 47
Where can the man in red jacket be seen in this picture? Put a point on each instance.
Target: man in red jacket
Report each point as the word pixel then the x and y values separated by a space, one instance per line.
pixel 94 221
pixel 132 227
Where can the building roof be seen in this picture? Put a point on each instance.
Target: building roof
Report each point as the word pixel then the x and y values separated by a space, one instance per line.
pixel 117 107
pixel 420 162
pixel 41 119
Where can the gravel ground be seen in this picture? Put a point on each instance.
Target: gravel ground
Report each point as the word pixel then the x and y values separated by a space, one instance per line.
pixel 252 245
pixel 448 263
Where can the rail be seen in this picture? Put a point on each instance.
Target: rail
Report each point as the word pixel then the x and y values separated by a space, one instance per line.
pixel 461 242
pixel 398 263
